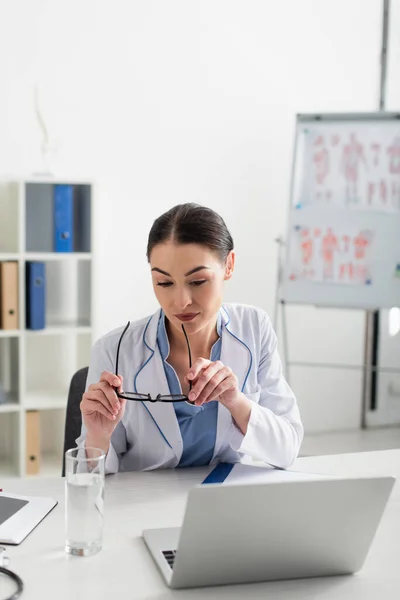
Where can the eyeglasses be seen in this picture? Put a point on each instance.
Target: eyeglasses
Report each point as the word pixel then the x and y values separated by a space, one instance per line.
pixel 147 397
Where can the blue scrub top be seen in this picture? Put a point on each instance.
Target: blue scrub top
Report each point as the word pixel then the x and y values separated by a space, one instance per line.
pixel 198 424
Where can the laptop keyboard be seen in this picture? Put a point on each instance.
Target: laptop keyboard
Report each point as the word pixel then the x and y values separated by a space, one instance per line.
pixel 169 556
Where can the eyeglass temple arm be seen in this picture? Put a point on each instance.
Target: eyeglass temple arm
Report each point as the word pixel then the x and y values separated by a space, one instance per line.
pixel 190 353
pixel 118 347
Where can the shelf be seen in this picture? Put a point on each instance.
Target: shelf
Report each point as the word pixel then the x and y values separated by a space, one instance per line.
pixel 45 400
pixel 59 330
pixel 56 256
pixel 10 333
pixel 46 179
pixel 62 329
pixel 36 366
pixel 9 256
pixel 9 407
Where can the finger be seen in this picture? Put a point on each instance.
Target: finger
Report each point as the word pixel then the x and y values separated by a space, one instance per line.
pixel 109 393
pixel 111 378
pixel 102 384
pixel 226 385
pixel 201 363
pixel 204 377
pixel 92 406
pixel 98 396
pixel 112 399
pixel 209 391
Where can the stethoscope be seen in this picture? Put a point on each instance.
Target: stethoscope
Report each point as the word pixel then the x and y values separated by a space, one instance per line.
pixel 4 562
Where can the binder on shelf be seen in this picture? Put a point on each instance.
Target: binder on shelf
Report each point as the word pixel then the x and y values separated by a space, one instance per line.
pixel 9 295
pixel 35 295
pixel 32 442
pixel 63 218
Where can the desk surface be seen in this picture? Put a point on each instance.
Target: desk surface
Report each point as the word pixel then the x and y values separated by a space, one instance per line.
pixel 135 501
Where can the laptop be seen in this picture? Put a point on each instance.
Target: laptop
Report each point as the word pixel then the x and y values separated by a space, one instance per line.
pixel 261 532
pixel 19 515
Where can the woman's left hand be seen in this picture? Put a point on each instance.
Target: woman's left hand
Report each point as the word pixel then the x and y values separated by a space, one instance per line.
pixel 212 381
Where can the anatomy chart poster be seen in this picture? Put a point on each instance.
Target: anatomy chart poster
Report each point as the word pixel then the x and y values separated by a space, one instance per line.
pixel 331 255
pixel 350 167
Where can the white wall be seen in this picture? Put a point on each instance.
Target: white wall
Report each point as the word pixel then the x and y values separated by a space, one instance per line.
pixel 166 102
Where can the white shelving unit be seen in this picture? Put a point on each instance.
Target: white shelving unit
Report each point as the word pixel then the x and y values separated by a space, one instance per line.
pixel 36 366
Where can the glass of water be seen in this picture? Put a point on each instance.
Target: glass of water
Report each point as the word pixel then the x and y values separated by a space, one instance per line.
pixel 84 499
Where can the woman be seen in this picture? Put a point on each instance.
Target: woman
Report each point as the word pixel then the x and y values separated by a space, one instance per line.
pixel 232 401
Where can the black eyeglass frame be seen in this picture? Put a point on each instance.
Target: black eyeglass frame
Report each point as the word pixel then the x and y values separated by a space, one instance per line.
pixel 147 397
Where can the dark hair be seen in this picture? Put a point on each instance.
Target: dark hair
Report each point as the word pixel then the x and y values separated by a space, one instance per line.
pixel 191 224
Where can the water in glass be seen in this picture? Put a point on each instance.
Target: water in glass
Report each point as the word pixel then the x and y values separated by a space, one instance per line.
pixel 84 507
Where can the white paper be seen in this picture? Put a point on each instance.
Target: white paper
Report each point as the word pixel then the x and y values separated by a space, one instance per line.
pixel 353 167
pixel 243 474
pixel 340 255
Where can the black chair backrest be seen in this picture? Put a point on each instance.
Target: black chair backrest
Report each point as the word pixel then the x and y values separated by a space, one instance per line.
pixel 73 418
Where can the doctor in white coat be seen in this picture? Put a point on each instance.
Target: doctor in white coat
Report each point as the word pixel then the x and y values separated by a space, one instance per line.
pixel 147 408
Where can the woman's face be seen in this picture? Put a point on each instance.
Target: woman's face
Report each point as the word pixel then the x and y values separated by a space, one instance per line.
pixel 188 282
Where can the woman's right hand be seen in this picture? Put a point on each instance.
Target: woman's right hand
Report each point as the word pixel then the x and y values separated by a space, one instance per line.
pixel 101 408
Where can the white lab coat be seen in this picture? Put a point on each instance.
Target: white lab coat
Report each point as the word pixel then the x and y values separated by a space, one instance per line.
pixel 148 436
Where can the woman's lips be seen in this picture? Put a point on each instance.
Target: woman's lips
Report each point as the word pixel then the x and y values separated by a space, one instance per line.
pixel 186 316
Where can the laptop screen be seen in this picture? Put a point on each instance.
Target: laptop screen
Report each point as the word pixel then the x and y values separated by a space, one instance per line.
pixel 9 506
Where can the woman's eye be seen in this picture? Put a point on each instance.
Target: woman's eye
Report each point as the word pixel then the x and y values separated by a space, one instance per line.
pixel 164 283
pixel 198 283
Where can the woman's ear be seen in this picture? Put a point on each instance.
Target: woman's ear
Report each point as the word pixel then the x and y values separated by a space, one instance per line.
pixel 229 265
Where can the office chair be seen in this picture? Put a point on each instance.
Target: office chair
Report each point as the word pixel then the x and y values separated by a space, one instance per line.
pixel 73 418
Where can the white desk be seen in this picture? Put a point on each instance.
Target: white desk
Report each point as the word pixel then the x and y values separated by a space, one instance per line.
pixel 135 501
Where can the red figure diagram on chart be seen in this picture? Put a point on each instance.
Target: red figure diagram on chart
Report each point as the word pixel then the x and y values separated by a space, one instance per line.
pixel 361 242
pixel 346 269
pixel 349 167
pixel 354 259
pixel 331 254
pixel 383 192
pixel 321 164
pixel 352 159
pixel 321 160
pixel 394 156
pixel 307 253
pixel 346 272
pixel 376 150
pixel 329 247
pixel 395 190
pixel 377 193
